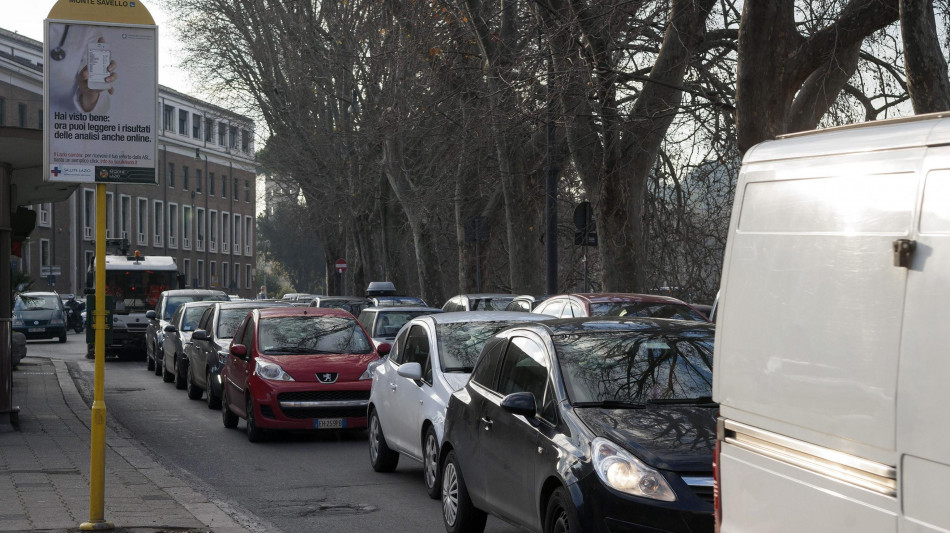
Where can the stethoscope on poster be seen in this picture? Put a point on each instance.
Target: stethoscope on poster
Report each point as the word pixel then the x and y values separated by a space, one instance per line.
pixel 58 54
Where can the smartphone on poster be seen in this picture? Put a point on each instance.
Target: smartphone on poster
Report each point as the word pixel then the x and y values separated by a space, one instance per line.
pixel 97 64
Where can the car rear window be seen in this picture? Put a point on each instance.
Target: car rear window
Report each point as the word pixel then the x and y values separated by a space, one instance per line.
pixel 647 309
pixel 174 302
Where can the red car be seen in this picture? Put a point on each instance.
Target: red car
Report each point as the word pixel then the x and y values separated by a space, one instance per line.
pixel 618 304
pixel 298 368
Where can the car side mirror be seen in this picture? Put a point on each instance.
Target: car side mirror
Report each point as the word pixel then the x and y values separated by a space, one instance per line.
pixel 171 329
pixel 200 335
pixel 411 371
pixel 151 315
pixel 384 348
pixel 520 403
pixel 239 350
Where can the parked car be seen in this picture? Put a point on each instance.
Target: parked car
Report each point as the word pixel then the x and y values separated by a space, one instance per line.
pixel 291 297
pixel 352 304
pixel 298 368
pixel 383 323
pixel 478 302
pixel 591 425
pixel 168 302
pixel 397 301
pixel 39 315
pixel 618 304
pixel 17 347
pixel 525 303
pixel 433 357
pixel 208 351
pixel 177 336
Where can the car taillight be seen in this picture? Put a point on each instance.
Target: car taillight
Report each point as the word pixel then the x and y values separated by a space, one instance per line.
pixel 717 502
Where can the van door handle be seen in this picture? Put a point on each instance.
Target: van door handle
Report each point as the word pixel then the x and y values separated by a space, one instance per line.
pixel 903 250
pixel 488 423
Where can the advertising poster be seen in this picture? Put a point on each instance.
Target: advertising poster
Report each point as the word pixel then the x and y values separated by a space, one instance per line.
pixel 102 89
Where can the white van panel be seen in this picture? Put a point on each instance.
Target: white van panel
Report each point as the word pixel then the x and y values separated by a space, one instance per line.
pixel 769 496
pixel 926 486
pixel 783 363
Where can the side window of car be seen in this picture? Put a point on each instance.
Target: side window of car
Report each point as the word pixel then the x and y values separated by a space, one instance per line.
pixel 248 338
pixel 239 332
pixel 417 351
pixel 548 409
pixel 487 363
pixel 553 308
pixel 176 318
pixel 524 369
pixel 574 311
pixel 399 348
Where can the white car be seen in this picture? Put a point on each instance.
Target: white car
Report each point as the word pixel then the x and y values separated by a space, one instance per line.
pixel 432 357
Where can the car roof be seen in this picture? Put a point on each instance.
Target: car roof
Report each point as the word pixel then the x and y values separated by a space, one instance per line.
pixel 192 292
pixel 207 303
pixel 574 326
pixel 38 293
pixel 486 316
pixel 278 311
pixel 403 309
pixel 486 295
pixel 249 304
pixel 342 298
pixel 620 297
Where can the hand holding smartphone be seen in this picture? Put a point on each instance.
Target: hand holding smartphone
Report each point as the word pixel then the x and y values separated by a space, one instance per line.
pixel 97 63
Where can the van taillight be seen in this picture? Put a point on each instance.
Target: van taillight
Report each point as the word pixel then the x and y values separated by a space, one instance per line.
pixel 717 502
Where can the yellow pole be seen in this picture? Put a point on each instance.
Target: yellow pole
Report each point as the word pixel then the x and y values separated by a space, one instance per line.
pixel 97 456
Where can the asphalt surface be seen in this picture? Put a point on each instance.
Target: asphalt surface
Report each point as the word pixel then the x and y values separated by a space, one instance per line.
pixel 291 482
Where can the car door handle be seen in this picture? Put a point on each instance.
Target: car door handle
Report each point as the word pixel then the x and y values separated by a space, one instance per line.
pixel 392 386
pixel 488 423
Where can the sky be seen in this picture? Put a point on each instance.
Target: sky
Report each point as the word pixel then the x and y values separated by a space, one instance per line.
pixel 26 18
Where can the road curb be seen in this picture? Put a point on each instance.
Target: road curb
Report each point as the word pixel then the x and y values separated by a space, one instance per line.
pixel 218 516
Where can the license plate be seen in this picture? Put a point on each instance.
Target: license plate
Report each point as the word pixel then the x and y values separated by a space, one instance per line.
pixel 36 330
pixel 329 423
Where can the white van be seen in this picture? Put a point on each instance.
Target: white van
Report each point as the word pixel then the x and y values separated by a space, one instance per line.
pixel 832 364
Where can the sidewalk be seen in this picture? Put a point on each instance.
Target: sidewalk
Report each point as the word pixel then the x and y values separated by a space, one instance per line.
pixel 44 468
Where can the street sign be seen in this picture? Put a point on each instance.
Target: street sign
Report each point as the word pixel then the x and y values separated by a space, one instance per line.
pixel 340 266
pixel 100 93
pixel 53 270
pixel 584 217
pixel 582 239
pixel 476 229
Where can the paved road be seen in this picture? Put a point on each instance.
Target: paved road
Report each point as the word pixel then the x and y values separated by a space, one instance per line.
pixel 296 482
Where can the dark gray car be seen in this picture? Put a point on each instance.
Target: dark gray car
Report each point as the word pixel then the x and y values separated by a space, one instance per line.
pixel 168 302
pixel 209 345
pixel 39 315
pixel 177 336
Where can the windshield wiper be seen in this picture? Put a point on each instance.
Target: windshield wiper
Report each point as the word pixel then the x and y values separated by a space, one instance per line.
pixel 460 369
pixel 611 404
pixel 700 400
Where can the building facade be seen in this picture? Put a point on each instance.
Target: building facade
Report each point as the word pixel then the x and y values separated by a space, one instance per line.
pixel 202 212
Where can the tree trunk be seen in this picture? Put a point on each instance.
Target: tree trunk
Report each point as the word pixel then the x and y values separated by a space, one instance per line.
pixel 926 68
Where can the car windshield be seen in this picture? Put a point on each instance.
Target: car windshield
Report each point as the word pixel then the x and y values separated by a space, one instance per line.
pixel 311 335
pixel 646 309
pixel 174 302
pixel 36 302
pixel 636 367
pixel 388 324
pixel 461 342
pixel 192 314
pixel 498 303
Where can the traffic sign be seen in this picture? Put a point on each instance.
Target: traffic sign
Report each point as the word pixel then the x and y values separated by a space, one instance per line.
pixel 54 270
pixel 340 266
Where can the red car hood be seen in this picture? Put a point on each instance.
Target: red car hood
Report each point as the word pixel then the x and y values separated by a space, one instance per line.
pixel 304 368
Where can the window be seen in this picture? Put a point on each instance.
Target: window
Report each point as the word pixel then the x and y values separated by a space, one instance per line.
pixel 552 308
pixel 209 130
pixel 214 273
pixel 184 178
pixel 171 175
pixel 125 216
pixel 222 131
pixel 158 226
pixel 141 221
pixel 234 188
pixel 3 105
pixel 417 351
pixel 245 141
pixel 225 230
pixel 248 234
pixel 211 183
pixel 195 125
pixel 172 225
pixel 247 191
pixel 232 137
pixel 44 253
pixel 225 281
pixel 198 180
pixel 110 215
pixel 201 274
pixel 236 279
pixel 88 213
pixel 238 227
pixel 200 225
pixel 524 369
pixel 39 119
pixel 168 117
pixel 44 215
pixel 486 366
pixel 186 223
pixel 182 122
pixel 213 229
pixel 247 276
pixel 224 186
pixel 21 111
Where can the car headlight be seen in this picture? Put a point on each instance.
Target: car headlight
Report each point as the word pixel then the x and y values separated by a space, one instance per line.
pixel 56 322
pixel 622 471
pixel 17 321
pixel 368 374
pixel 271 371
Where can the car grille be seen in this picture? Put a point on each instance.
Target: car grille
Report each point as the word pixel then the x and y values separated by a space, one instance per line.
pixel 30 324
pixel 323 396
pixel 326 412
pixel 705 493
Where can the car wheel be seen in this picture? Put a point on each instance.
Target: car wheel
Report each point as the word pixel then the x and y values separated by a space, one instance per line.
pixel 167 376
pixel 560 516
pixel 158 362
pixel 214 401
pixel 431 472
pixel 230 419
pixel 380 456
pixel 458 513
pixel 62 338
pixel 254 433
pixel 181 374
pixel 194 392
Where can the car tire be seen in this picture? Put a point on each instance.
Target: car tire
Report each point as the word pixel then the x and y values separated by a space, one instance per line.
pixel 158 362
pixel 194 392
pixel 214 401
pixel 167 376
pixel 254 433
pixel 62 338
pixel 459 514
pixel 560 515
pixel 180 375
pixel 431 472
pixel 381 457
pixel 227 415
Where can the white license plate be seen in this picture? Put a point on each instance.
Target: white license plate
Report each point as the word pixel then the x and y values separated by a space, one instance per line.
pixel 36 330
pixel 329 423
